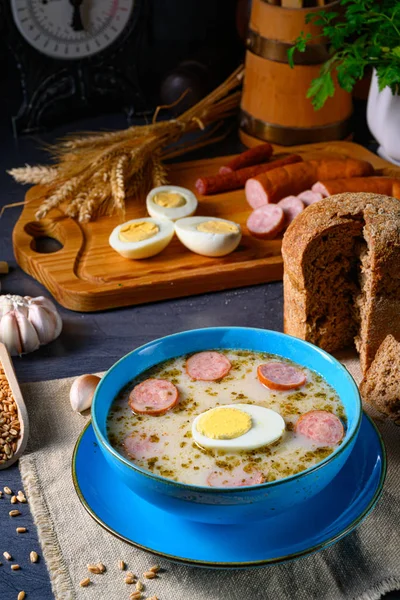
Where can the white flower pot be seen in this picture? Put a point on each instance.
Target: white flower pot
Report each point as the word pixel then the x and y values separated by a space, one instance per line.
pixel 383 117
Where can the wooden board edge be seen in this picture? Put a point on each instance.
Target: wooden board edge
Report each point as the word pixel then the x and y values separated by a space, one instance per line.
pixel 81 301
pixel 8 367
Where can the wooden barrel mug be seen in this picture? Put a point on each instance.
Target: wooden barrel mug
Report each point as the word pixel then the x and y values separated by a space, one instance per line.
pixel 274 103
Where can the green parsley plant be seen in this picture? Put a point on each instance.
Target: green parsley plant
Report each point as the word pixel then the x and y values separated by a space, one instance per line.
pixel 365 34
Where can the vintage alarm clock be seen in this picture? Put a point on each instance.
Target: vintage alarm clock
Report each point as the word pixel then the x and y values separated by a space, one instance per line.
pixel 75 57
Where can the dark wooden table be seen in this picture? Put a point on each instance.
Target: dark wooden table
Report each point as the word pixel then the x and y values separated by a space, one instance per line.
pixel 93 342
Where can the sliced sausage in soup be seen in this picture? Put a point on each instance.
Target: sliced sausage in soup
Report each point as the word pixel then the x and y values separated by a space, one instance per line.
pixel 280 376
pixel 235 478
pixel 208 366
pixel 321 427
pixel 143 447
pixel 153 397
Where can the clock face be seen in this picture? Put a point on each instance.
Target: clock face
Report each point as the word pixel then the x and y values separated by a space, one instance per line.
pixel 71 29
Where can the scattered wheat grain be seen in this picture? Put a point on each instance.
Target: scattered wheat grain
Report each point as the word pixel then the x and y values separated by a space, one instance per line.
pixel 155 568
pixel 94 569
pixel 130 578
pixel 149 574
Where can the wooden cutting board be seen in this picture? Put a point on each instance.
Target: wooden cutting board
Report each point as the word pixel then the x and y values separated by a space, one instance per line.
pixel 86 274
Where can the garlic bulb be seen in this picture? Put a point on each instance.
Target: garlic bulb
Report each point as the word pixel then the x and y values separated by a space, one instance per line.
pixel 27 323
pixel 82 392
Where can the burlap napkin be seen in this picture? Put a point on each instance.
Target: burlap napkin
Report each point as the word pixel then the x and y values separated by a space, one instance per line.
pixel 362 566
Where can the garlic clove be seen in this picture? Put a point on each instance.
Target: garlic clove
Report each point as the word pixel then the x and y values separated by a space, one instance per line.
pixel 43 301
pixel 14 302
pixel 43 322
pixel 9 333
pixel 58 324
pixel 82 392
pixel 6 305
pixel 50 307
pixel 27 333
pixel 21 307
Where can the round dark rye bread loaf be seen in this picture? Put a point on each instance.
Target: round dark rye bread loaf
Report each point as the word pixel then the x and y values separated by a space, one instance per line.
pixel 342 273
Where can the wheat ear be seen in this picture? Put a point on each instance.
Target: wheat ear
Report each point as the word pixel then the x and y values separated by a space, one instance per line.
pixel 62 194
pixel 117 183
pixel 37 175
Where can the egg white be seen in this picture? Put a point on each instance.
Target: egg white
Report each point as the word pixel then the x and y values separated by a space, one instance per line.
pixel 267 427
pixel 145 248
pixel 207 244
pixel 173 214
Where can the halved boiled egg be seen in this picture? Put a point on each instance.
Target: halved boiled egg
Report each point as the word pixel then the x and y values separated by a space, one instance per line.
pixel 208 236
pixel 171 202
pixel 237 427
pixel 141 238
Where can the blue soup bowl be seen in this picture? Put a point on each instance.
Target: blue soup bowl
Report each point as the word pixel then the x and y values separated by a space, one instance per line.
pixel 226 505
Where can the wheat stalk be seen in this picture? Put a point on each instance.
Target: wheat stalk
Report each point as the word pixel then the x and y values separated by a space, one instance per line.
pixel 117 183
pixel 72 210
pixel 96 172
pixel 37 175
pixel 159 172
pixel 64 193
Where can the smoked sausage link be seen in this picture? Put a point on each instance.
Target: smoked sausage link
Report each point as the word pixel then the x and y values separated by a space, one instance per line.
pixel 253 156
pixel 237 179
pixel 291 180
pixel 375 185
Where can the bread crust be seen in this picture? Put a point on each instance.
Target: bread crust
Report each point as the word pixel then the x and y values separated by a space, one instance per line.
pixel 369 219
pixel 380 386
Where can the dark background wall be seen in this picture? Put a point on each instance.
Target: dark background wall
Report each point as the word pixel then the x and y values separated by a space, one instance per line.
pixel 201 33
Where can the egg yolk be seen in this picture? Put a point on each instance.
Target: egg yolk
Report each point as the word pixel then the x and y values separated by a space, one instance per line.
pixel 224 423
pixel 138 232
pixel 217 227
pixel 169 199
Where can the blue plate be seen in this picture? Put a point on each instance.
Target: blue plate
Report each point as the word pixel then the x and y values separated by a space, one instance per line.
pixel 314 525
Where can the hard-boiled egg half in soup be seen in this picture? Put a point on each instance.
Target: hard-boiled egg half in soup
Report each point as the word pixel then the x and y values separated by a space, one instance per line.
pixel 209 236
pixel 171 202
pixel 141 238
pixel 237 427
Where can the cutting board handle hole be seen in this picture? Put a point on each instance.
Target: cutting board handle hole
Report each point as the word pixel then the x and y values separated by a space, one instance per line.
pixel 46 245
pixel 42 233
